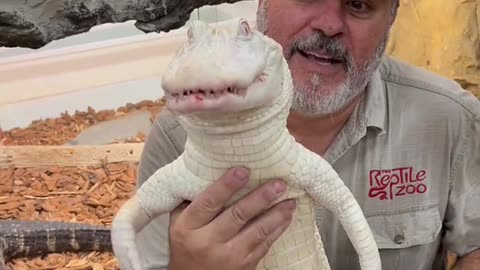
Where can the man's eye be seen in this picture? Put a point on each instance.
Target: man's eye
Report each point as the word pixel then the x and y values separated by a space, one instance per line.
pixel 358 6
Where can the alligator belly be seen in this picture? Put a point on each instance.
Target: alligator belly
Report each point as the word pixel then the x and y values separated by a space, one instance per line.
pixel 298 247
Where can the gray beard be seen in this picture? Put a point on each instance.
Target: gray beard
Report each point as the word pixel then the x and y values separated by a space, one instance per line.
pixel 311 99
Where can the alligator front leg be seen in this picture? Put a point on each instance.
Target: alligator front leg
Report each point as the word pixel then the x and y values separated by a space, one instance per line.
pixel 161 193
pixel 326 188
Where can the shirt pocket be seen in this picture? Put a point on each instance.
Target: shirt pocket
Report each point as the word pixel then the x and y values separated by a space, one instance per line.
pixel 405 234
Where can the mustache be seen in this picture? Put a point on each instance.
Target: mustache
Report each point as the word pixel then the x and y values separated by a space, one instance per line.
pixel 319 42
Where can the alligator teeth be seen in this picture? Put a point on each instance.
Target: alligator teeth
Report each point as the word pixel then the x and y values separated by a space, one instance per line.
pixel 242 92
pixel 206 93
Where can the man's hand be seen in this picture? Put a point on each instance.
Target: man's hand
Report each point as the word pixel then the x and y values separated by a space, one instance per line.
pixel 202 236
pixel 470 261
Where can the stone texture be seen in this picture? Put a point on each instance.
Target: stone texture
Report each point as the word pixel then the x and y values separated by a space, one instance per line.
pixel 443 38
pixel 35 23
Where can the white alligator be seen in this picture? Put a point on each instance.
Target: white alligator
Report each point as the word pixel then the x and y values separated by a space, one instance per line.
pixel 231 90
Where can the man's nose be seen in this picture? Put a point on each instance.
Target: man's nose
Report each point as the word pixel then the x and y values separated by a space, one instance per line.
pixel 329 18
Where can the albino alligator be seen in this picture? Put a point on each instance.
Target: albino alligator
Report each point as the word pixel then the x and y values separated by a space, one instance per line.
pixel 231 89
pixel 32 238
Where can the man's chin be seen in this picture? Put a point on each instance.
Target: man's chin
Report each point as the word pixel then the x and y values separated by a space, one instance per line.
pixel 322 101
pixel 325 82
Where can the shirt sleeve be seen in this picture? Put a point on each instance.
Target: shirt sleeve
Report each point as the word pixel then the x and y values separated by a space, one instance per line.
pixel 462 219
pixel 163 145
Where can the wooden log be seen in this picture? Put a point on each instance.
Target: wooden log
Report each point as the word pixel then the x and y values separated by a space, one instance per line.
pixel 34 156
pixel 34 24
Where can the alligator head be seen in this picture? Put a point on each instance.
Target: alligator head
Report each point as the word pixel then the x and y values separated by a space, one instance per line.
pixel 223 70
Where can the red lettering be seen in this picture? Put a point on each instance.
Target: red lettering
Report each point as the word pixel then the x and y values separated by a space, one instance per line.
pixel 411 189
pixel 421 188
pixel 400 191
pixel 396 182
pixel 373 177
pixel 378 192
pixel 385 180
pixel 421 175
pixel 403 175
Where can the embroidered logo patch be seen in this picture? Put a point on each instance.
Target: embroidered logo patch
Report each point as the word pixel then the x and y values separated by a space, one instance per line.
pixel 397 182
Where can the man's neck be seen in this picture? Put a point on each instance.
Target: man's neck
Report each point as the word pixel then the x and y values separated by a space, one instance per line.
pixel 318 133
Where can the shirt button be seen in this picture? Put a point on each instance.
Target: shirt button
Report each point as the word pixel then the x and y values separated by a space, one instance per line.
pixel 399 238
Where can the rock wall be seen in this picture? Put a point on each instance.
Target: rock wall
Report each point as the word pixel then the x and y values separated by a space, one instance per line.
pixel 444 38
pixel 35 23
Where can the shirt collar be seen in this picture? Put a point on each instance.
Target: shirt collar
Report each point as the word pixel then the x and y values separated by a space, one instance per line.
pixel 370 114
pixel 375 108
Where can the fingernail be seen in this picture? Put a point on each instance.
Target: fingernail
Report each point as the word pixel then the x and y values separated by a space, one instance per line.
pixel 279 187
pixel 241 174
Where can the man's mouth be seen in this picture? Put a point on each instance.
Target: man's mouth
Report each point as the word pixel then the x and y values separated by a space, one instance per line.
pixel 321 58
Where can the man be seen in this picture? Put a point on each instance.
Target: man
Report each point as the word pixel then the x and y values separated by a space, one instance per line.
pixel 405 141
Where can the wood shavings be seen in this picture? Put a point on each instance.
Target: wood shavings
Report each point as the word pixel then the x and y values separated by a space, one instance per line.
pixel 91 194
pixel 58 131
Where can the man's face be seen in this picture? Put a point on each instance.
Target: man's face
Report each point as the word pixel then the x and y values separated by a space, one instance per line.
pixel 332 47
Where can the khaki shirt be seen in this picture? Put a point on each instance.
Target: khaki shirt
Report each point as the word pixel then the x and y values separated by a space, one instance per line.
pixel 411 156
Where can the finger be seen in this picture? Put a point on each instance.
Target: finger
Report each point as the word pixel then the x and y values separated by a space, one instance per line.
pixel 178 210
pixel 208 203
pixel 232 220
pixel 260 234
pixel 261 251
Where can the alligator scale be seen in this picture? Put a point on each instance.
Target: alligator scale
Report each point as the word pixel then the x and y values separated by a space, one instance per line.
pixel 231 90
pixel 32 238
